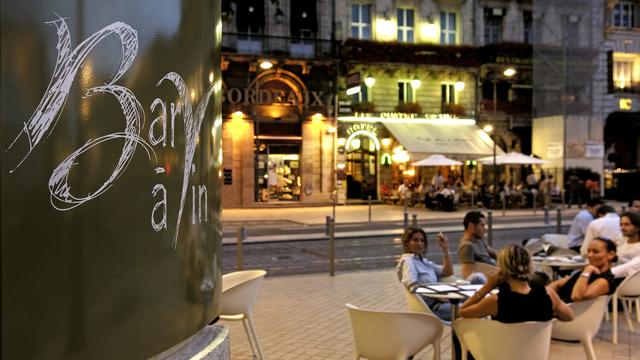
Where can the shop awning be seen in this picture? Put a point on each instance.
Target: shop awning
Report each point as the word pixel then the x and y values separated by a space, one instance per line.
pixel 423 139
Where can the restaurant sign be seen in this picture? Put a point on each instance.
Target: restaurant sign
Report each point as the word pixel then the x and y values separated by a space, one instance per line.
pixel 400 115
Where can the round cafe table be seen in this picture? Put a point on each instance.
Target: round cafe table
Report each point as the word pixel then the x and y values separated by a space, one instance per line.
pixel 557 263
pixel 453 297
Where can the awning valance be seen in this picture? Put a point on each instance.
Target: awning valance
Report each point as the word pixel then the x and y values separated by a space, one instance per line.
pixel 423 139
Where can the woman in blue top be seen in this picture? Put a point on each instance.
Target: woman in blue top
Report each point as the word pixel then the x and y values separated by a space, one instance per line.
pixel 414 270
pixel 518 299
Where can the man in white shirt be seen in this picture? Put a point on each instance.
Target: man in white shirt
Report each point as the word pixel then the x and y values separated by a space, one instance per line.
pixel 607 226
pixel 629 248
pixel 581 223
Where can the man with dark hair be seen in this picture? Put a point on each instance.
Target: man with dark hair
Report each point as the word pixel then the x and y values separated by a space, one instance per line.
pixel 629 246
pixel 472 247
pixel 634 204
pixel 607 225
pixel 581 223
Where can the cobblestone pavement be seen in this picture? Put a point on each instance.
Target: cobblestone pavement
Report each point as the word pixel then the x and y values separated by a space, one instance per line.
pixel 310 256
pixel 304 317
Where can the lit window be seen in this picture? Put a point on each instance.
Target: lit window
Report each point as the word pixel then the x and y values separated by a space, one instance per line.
pixel 405 25
pixel 405 91
pixel 448 93
pixel 626 72
pixel 361 21
pixel 447 27
pixel 624 14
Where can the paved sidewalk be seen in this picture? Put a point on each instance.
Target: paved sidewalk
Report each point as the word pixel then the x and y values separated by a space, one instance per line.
pixel 304 317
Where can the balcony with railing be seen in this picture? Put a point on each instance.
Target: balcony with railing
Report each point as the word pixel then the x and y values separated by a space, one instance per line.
pixel 295 47
pixel 626 86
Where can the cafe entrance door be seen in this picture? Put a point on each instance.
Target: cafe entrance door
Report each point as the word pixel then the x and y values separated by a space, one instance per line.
pixel 362 169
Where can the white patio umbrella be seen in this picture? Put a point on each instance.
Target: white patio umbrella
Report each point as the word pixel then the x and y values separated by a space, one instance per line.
pixel 436 160
pixel 512 158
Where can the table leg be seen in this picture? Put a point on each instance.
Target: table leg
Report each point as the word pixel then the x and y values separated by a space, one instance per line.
pixel 455 354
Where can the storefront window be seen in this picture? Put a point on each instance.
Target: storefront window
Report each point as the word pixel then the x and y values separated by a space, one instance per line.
pixel 278 172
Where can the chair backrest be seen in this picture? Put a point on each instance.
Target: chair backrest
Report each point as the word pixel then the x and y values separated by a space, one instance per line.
pixel 388 335
pixel 559 240
pixel 630 286
pixel 485 268
pixel 490 339
pixel 240 291
pixel 415 303
pixel 588 316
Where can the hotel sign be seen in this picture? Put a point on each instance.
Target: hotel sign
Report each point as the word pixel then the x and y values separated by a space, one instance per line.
pixel 272 96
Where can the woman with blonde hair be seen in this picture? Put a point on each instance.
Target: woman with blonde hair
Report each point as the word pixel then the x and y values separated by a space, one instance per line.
pixel 518 298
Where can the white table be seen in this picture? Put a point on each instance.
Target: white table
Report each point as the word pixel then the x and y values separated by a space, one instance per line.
pixel 453 296
pixel 555 263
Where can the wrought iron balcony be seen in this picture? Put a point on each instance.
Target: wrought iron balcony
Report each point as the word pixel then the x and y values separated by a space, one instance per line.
pixel 296 47
pixel 626 86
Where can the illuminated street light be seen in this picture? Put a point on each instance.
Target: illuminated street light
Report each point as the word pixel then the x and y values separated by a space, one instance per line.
pixel 415 83
pixel 459 85
pixel 266 65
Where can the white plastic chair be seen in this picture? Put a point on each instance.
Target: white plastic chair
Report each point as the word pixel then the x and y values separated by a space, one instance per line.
pixel 239 294
pixel 385 335
pixel 493 340
pixel 629 292
pixel 559 240
pixel 416 303
pixel 584 326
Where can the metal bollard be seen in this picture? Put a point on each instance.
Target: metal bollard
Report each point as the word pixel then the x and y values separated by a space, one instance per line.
pixel 335 201
pixel 406 221
pixel 369 201
pixel 414 220
pixel 558 220
pixel 490 226
pixel 327 220
pixel 241 234
pixel 405 205
pixel 332 247
pixel 473 200
pixel 546 214
pixel 504 205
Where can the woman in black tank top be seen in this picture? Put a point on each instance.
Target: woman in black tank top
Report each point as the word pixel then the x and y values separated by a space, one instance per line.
pixel 517 300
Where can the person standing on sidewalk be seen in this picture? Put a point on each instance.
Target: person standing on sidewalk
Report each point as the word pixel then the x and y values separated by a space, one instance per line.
pixel 414 270
pixel 472 247
pixel 581 223
pixel 607 226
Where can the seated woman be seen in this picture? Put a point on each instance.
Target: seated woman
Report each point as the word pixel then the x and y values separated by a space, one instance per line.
pixel 518 299
pixel 414 270
pixel 595 279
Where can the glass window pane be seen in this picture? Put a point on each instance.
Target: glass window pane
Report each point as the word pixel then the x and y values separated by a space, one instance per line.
pixel 410 35
pixel 443 20
pixel 400 17
pixel 366 14
pixel 354 32
pixel 366 32
pixel 400 92
pixel 452 39
pixel 443 93
pixel 410 17
pixel 452 21
pixel 355 13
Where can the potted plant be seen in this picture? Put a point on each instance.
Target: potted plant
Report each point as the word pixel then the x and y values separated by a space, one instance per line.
pixel 409 108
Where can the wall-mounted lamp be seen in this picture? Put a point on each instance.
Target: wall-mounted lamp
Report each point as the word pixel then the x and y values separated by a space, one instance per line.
pixel 342 141
pixel 415 83
pixel 509 72
pixel 332 130
pixel 317 118
pixel 266 65
pixel 488 129
pixel 341 166
pixel 369 80
pixel 459 85
pixel 386 142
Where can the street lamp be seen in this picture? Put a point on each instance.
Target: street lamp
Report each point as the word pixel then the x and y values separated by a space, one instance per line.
pixel 489 129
